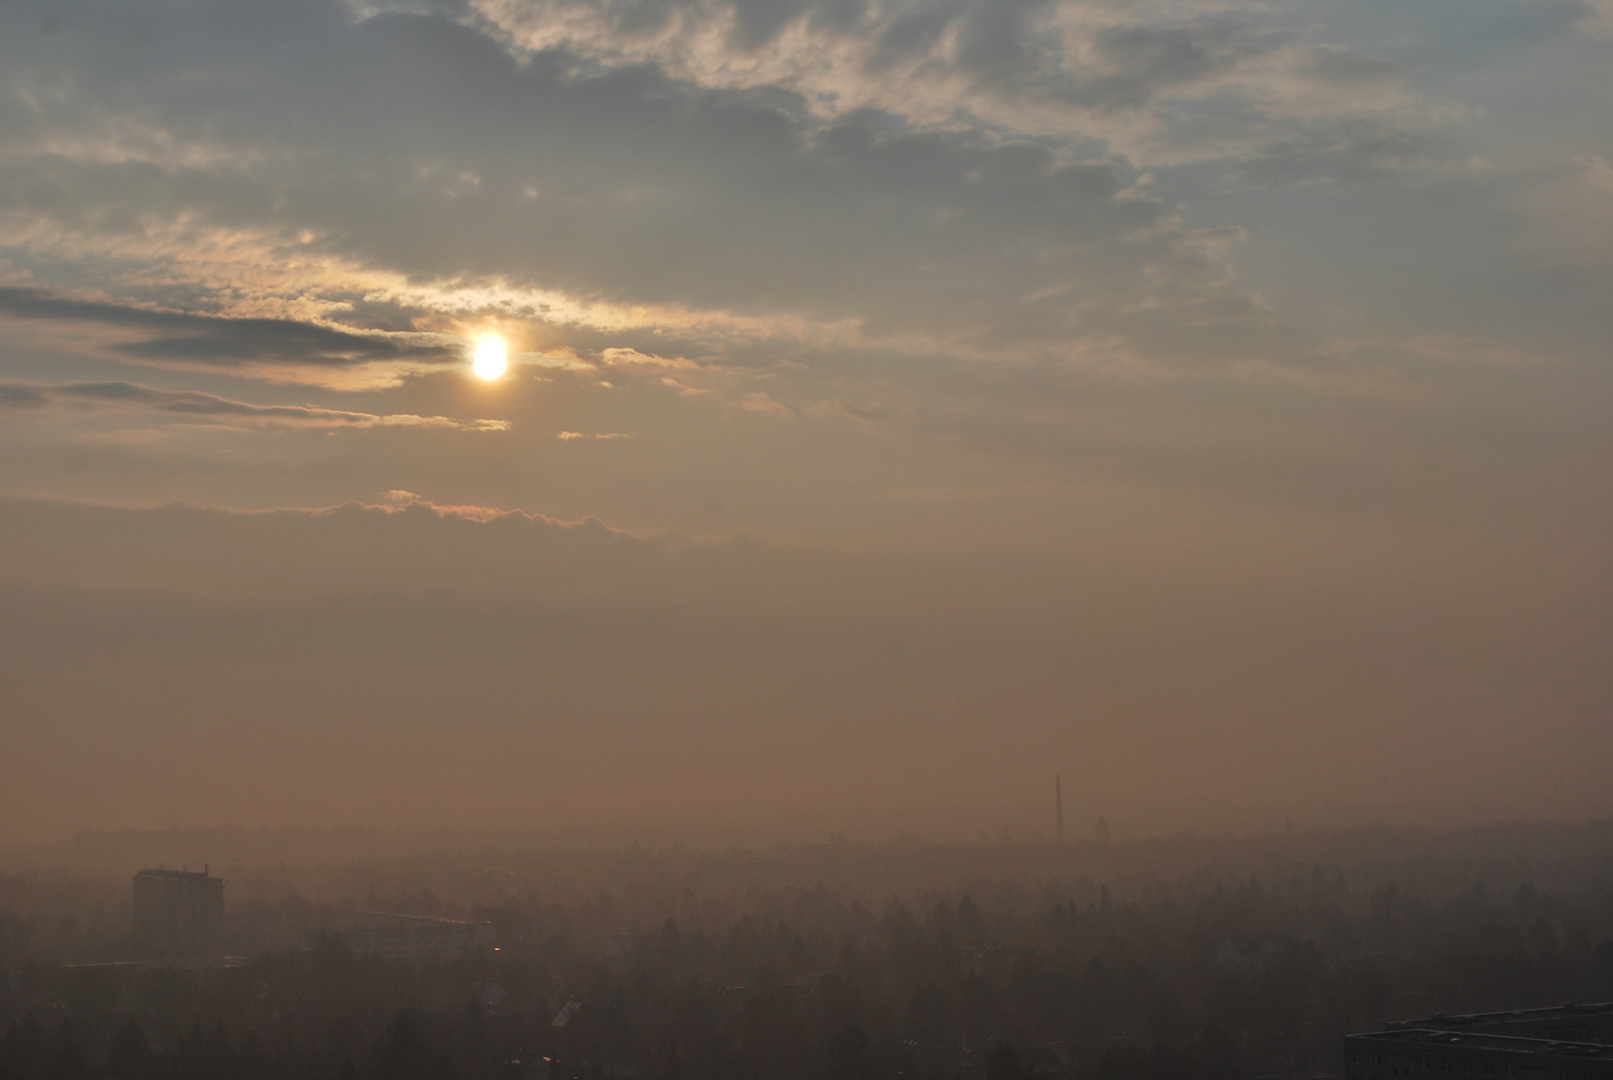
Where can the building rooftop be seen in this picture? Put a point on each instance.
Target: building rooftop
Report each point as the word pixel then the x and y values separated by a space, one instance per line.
pixel 1568 1011
pixel 1423 1037
pixel 398 917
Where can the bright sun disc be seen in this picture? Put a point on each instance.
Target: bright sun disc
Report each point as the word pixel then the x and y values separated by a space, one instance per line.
pixel 489 359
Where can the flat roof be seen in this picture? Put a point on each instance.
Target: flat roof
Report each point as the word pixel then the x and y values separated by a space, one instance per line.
pixel 430 920
pixel 1550 1012
pixel 1484 1041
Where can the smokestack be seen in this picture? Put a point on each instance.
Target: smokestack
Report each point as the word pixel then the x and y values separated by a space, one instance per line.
pixel 1058 808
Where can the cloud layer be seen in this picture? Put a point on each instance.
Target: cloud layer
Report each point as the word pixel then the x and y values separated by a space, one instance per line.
pixel 894 385
pixel 199 407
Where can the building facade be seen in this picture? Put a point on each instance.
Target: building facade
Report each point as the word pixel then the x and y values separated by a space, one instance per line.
pixel 177 912
pixel 413 939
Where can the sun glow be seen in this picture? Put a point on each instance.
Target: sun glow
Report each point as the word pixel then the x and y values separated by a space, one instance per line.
pixel 489 358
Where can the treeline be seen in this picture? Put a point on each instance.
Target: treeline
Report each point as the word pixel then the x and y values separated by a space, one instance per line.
pixel 1201 977
pixel 1027 964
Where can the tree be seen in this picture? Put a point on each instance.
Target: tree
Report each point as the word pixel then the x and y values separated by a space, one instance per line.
pixel 66 1062
pixel 22 1050
pixel 398 1056
pixel 1004 1064
pixel 971 925
pixel 130 1056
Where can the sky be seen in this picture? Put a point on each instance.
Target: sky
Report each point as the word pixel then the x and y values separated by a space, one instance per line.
pixel 1206 401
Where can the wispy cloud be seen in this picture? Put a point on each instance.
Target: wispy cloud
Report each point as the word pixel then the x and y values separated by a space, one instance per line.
pixel 188 339
pixel 197 406
pixel 1142 77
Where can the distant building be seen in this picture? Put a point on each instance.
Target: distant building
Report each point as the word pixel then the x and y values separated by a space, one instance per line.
pixel 177 912
pixel 1568 1042
pixel 284 928
pixel 410 939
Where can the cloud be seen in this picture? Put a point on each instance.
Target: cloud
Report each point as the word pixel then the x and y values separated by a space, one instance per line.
pixel 928 260
pixel 865 417
pixel 1470 352
pixel 17 396
pixel 1571 205
pixel 1342 67
pixel 1358 152
pixel 760 401
pixel 683 389
pixel 1202 297
pixel 680 187
pixel 194 405
pixel 189 339
pixel 738 207
pixel 616 357
pixel 1039 67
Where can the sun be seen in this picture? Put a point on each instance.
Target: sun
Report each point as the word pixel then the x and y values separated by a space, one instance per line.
pixel 489 358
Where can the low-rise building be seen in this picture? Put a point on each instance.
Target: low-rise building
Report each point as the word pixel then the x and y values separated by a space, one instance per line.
pixel 412 939
pixel 1561 1043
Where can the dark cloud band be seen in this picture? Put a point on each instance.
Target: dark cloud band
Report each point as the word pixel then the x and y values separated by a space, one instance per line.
pixel 224 342
pixel 194 404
